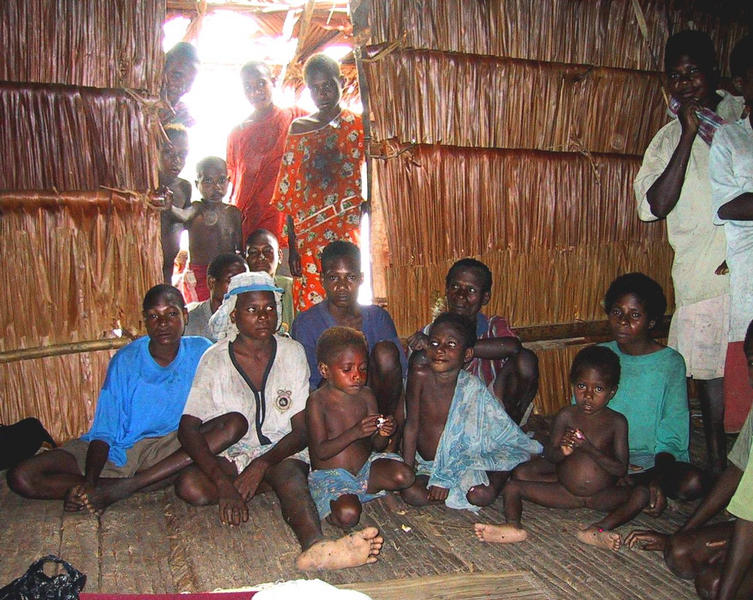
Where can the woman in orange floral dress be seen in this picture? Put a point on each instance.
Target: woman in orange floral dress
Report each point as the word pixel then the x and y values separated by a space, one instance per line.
pixel 319 183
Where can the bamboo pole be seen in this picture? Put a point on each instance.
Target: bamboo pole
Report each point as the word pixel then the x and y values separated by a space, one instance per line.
pixel 62 349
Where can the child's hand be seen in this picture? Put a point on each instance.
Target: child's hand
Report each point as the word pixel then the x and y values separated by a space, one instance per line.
pixel 722 269
pixel 567 450
pixel 161 198
pixel 574 438
pixel 386 425
pixel 366 426
pixel 438 493
pixel 418 341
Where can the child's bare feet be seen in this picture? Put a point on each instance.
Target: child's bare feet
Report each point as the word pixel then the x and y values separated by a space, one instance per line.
pixel 355 549
pixel 593 536
pixel 500 534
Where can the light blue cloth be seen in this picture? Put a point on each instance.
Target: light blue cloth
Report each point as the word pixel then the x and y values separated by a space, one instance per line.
pixel 327 485
pixel 478 437
pixel 142 399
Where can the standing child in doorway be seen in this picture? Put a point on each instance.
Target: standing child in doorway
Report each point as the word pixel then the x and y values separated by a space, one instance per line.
pixel 213 227
pixel 589 446
pixel 344 429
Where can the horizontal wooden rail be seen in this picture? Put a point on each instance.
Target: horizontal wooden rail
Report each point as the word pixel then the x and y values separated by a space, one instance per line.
pixel 62 349
pixel 588 331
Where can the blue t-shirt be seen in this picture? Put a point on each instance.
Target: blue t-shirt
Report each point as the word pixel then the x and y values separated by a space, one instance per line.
pixel 142 399
pixel 652 395
pixel 377 326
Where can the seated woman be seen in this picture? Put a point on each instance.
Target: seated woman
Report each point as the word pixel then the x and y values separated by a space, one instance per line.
pixel 133 440
pixel 652 395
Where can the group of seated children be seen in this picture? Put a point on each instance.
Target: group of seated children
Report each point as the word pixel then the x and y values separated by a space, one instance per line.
pixel 247 414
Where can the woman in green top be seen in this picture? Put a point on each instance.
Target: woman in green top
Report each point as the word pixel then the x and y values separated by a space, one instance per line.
pixel 652 394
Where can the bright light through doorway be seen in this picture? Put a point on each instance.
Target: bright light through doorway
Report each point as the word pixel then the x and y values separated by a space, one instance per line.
pixel 226 41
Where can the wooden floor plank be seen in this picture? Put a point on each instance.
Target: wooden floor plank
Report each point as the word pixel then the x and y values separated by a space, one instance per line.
pixel 135 549
pixel 155 543
pixel 29 530
pixel 80 545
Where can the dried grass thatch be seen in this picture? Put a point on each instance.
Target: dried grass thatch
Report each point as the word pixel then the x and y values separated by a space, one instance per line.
pixel 463 100
pixel 83 42
pixel 604 33
pixel 533 285
pixel 61 391
pixel 74 139
pixel 457 202
pixel 78 270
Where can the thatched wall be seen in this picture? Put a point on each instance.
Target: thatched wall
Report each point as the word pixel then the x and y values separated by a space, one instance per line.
pixel 79 244
pixel 511 131
pixel 93 43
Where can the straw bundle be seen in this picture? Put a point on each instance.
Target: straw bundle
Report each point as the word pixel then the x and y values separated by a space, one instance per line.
pixel 604 33
pixel 462 100
pixel 457 202
pixel 596 32
pixel 75 272
pixel 60 391
pixel 533 285
pixel 83 42
pixel 67 139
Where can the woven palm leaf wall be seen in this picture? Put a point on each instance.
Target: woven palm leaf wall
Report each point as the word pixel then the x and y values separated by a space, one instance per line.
pixel 511 131
pixel 79 245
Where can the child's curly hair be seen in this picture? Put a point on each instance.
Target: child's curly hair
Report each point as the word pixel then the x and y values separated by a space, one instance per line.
pixel 336 339
pixel 600 358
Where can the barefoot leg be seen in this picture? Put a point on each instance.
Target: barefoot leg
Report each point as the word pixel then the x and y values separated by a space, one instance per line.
pixel 389 474
pixel 499 534
pixel 536 469
pixel 553 495
pixel 358 548
pixel 289 481
pixel 623 502
pixel 484 495
pixel 517 382
pixel 47 476
pixel 595 536
pixel 385 376
pixel 417 494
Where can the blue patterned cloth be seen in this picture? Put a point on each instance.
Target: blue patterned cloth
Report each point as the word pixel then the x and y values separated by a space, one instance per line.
pixel 478 437
pixel 327 485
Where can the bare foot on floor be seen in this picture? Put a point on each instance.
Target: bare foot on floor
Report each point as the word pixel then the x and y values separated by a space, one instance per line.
pixel 97 499
pixel 73 501
pixel 609 540
pixel 355 549
pixel 500 534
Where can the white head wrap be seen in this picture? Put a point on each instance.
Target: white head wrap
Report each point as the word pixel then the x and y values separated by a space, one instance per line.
pixel 220 323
